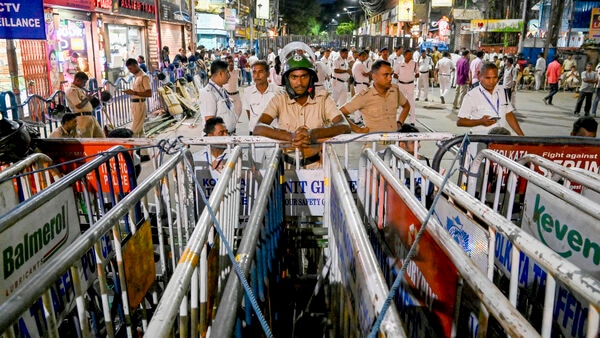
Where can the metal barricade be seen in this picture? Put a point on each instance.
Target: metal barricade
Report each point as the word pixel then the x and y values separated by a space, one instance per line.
pixel 256 253
pixel 433 291
pixel 358 285
pixel 24 179
pixel 540 271
pixel 43 281
pixel 581 152
pixel 191 270
pixel 574 178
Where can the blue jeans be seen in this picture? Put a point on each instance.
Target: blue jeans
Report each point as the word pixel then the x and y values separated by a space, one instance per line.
pixel 553 90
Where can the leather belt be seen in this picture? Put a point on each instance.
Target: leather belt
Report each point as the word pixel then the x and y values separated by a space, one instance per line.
pixel 423 72
pixel 410 82
pixel 86 113
pixel 138 100
pixel 303 162
pixel 363 83
pixel 342 81
pixel 233 93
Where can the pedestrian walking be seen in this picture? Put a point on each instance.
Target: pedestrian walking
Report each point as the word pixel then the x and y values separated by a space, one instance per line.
pixel 540 69
pixel 443 71
pixel 553 73
pixel 462 79
pixel 406 72
pixel 424 64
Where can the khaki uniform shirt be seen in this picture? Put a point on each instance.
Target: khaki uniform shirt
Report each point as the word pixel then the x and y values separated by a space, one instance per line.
pixel 379 112
pixel 141 83
pixel 60 132
pixel 74 97
pixel 315 113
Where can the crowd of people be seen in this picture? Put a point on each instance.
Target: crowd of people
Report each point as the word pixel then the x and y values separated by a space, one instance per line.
pixel 313 93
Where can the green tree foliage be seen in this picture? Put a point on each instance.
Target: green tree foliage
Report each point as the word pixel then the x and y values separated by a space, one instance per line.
pixel 314 26
pixel 297 14
pixel 345 28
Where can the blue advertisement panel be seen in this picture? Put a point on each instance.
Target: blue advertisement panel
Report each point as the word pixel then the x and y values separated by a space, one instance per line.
pixel 22 19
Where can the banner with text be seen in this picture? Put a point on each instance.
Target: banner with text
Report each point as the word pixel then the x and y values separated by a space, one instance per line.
pixel 504 26
pixel 22 19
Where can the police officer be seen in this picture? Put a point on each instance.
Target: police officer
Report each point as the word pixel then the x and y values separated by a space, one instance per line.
pixel 406 72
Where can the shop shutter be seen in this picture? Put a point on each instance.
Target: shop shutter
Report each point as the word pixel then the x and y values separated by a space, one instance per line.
pixel 171 37
pixel 35 68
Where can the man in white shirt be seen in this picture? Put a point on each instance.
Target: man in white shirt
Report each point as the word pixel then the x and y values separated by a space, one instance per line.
pixel 231 87
pixel 443 70
pixel 253 58
pixel 406 71
pixel 475 69
pixel 424 64
pixel 540 70
pixel 340 76
pixel 214 98
pixel 256 97
pixel 487 105
pixel 511 73
pixel 270 57
pixel 362 80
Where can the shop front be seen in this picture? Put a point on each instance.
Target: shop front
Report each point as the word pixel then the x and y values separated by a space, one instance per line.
pixel 128 29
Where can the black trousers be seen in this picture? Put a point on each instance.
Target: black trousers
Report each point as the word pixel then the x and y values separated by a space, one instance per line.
pixel 588 102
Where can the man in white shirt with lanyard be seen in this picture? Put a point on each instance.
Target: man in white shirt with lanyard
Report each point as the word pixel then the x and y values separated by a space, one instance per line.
pixel 487 105
pixel 406 72
pixel 443 71
pixel 214 98
pixel 424 64
pixel 340 76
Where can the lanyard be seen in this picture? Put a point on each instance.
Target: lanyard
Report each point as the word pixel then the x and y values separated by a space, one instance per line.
pixel 224 97
pixel 495 109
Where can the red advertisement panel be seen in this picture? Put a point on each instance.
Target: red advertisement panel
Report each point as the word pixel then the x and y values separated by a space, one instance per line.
pixel 584 157
pixel 67 151
pixel 428 301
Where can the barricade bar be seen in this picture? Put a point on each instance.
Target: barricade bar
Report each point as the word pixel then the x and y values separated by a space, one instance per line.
pixel 367 267
pixel 557 267
pixel 37 286
pixel 583 204
pixel 23 165
pixel 177 289
pixel 30 205
pixel 224 322
pixel 583 177
pixel 504 139
pixel 495 302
